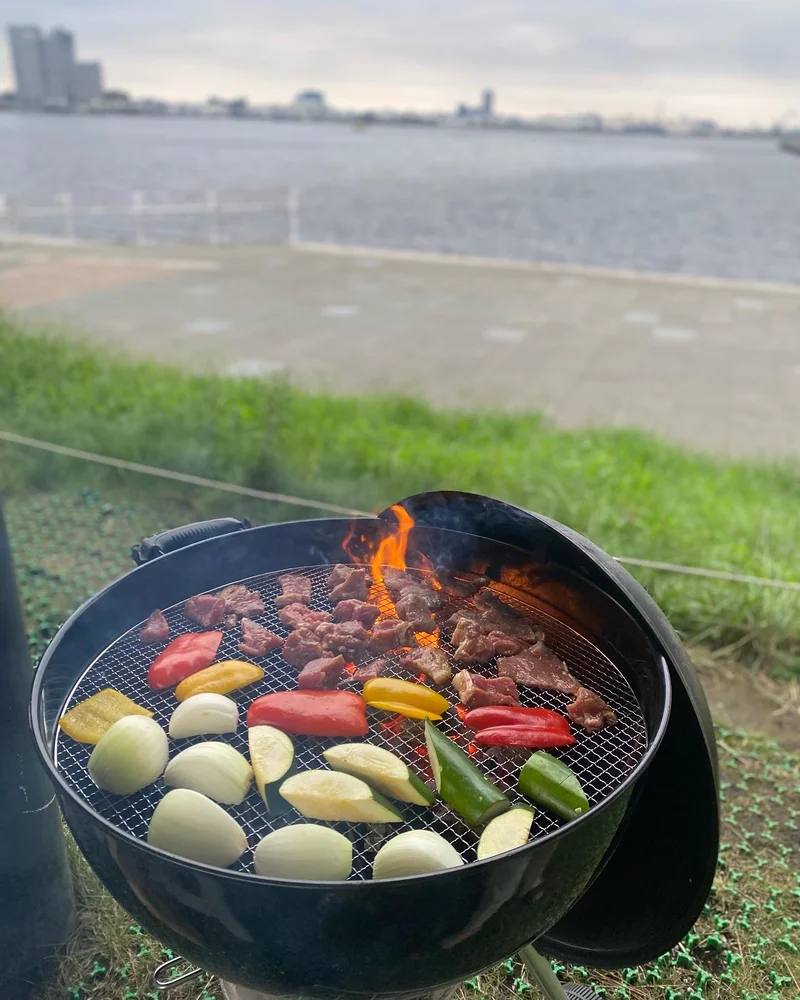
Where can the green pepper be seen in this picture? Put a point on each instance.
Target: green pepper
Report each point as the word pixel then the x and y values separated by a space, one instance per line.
pixel 549 783
pixel 459 782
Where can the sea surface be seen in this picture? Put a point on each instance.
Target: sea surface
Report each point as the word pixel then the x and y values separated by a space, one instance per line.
pixel 726 207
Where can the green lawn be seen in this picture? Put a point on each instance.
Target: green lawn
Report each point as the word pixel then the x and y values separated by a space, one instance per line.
pixel 628 491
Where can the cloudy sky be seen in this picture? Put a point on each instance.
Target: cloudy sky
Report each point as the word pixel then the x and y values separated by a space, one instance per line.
pixel 736 60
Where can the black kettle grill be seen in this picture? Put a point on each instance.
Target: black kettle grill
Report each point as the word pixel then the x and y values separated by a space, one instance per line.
pixel 616 887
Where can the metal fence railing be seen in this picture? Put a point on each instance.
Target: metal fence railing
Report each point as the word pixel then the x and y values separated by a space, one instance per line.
pixel 212 217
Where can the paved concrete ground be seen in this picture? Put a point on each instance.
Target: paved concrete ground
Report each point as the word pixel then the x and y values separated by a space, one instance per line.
pixel 712 364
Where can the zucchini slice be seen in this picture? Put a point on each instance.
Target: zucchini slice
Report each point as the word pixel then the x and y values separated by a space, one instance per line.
pixel 505 832
pixel 272 759
pixel 334 796
pixel 459 782
pixel 382 769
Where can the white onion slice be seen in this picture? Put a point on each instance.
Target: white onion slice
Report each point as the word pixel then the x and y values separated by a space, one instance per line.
pixel 214 769
pixel 204 715
pixel 190 825
pixel 304 851
pixel 129 756
pixel 416 852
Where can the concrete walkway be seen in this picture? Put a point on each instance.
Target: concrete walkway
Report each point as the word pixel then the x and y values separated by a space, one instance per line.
pixel 713 364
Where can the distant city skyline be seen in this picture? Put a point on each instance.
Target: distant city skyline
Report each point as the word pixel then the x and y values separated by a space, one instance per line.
pixel 733 61
pixel 46 73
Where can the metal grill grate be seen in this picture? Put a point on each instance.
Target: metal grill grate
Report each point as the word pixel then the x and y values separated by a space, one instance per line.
pixel 600 760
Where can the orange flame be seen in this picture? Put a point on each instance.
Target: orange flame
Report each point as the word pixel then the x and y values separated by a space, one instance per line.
pixel 392 549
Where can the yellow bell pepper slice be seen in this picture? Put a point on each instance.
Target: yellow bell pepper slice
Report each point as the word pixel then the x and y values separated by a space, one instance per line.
pixel 90 719
pixel 219 678
pixel 408 693
pixel 410 711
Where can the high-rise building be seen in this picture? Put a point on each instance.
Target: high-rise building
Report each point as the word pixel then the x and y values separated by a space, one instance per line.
pixel 27 57
pixel 487 103
pixel 86 82
pixel 59 60
pixel 45 70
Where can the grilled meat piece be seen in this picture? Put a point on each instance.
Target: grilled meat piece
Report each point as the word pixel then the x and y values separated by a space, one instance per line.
pixel 487 600
pixel 323 673
pixel 348 583
pixel 399 583
pixel 257 640
pixel 412 607
pixel 205 609
pixel 356 611
pixel 302 646
pixel 490 621
pixel 241 601
pixel 295 589
pixel 590 711
pixel 538 667
pixel 370 670
pixel 396 580
pixel 391 634
pixel 301 614
pixel 454 587
pixel 472 646
pixel 230 620
pixel 429 660
pixel 348 638
pixel 505 645
pixel 475 690
pixel 156 629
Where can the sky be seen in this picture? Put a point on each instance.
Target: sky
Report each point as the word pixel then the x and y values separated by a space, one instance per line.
pixel 735 60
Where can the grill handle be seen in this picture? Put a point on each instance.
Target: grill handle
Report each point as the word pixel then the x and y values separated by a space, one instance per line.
pixel 177 538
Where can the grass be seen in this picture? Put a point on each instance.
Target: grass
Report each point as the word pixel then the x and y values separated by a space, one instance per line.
pixel 631 493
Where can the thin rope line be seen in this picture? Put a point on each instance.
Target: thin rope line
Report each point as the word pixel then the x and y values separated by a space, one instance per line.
pixel 712 574
pixel 182 477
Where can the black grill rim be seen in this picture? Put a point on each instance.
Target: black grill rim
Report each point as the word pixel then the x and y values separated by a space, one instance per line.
pixel 45 751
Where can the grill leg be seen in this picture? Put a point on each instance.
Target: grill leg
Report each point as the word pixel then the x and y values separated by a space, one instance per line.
pixel 539 969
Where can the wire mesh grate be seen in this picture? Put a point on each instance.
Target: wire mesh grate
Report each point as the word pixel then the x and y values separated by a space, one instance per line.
pixel 600 760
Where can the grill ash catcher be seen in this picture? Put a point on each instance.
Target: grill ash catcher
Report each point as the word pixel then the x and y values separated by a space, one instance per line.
pixel 619 885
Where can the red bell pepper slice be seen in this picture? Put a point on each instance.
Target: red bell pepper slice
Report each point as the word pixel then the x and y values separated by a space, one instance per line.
pixel 514 715
pixel 185 655
pixel 311 713
pixel 523 736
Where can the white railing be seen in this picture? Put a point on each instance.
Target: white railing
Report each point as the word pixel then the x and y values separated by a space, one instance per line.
pixel 133 221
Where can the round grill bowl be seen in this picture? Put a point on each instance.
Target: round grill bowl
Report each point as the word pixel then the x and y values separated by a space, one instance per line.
pixel 361 937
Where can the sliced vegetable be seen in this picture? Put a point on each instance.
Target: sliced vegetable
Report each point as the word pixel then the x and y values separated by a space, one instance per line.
pixel 505 832
pixel 416 852
pixel 405 698
pixel 523 736
pixel 185 655
pixel 311 713
pixel 272 757
pixel 214 769
pixel 204 715
pixel 219 678
pixel 409 711
pixel 304 851
pixel 491 716
pixel 90 719
pixel 131 755
pixel 548 782
pixel 382 769
pixel 334 796
pixel 459 782
pixel 190 825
